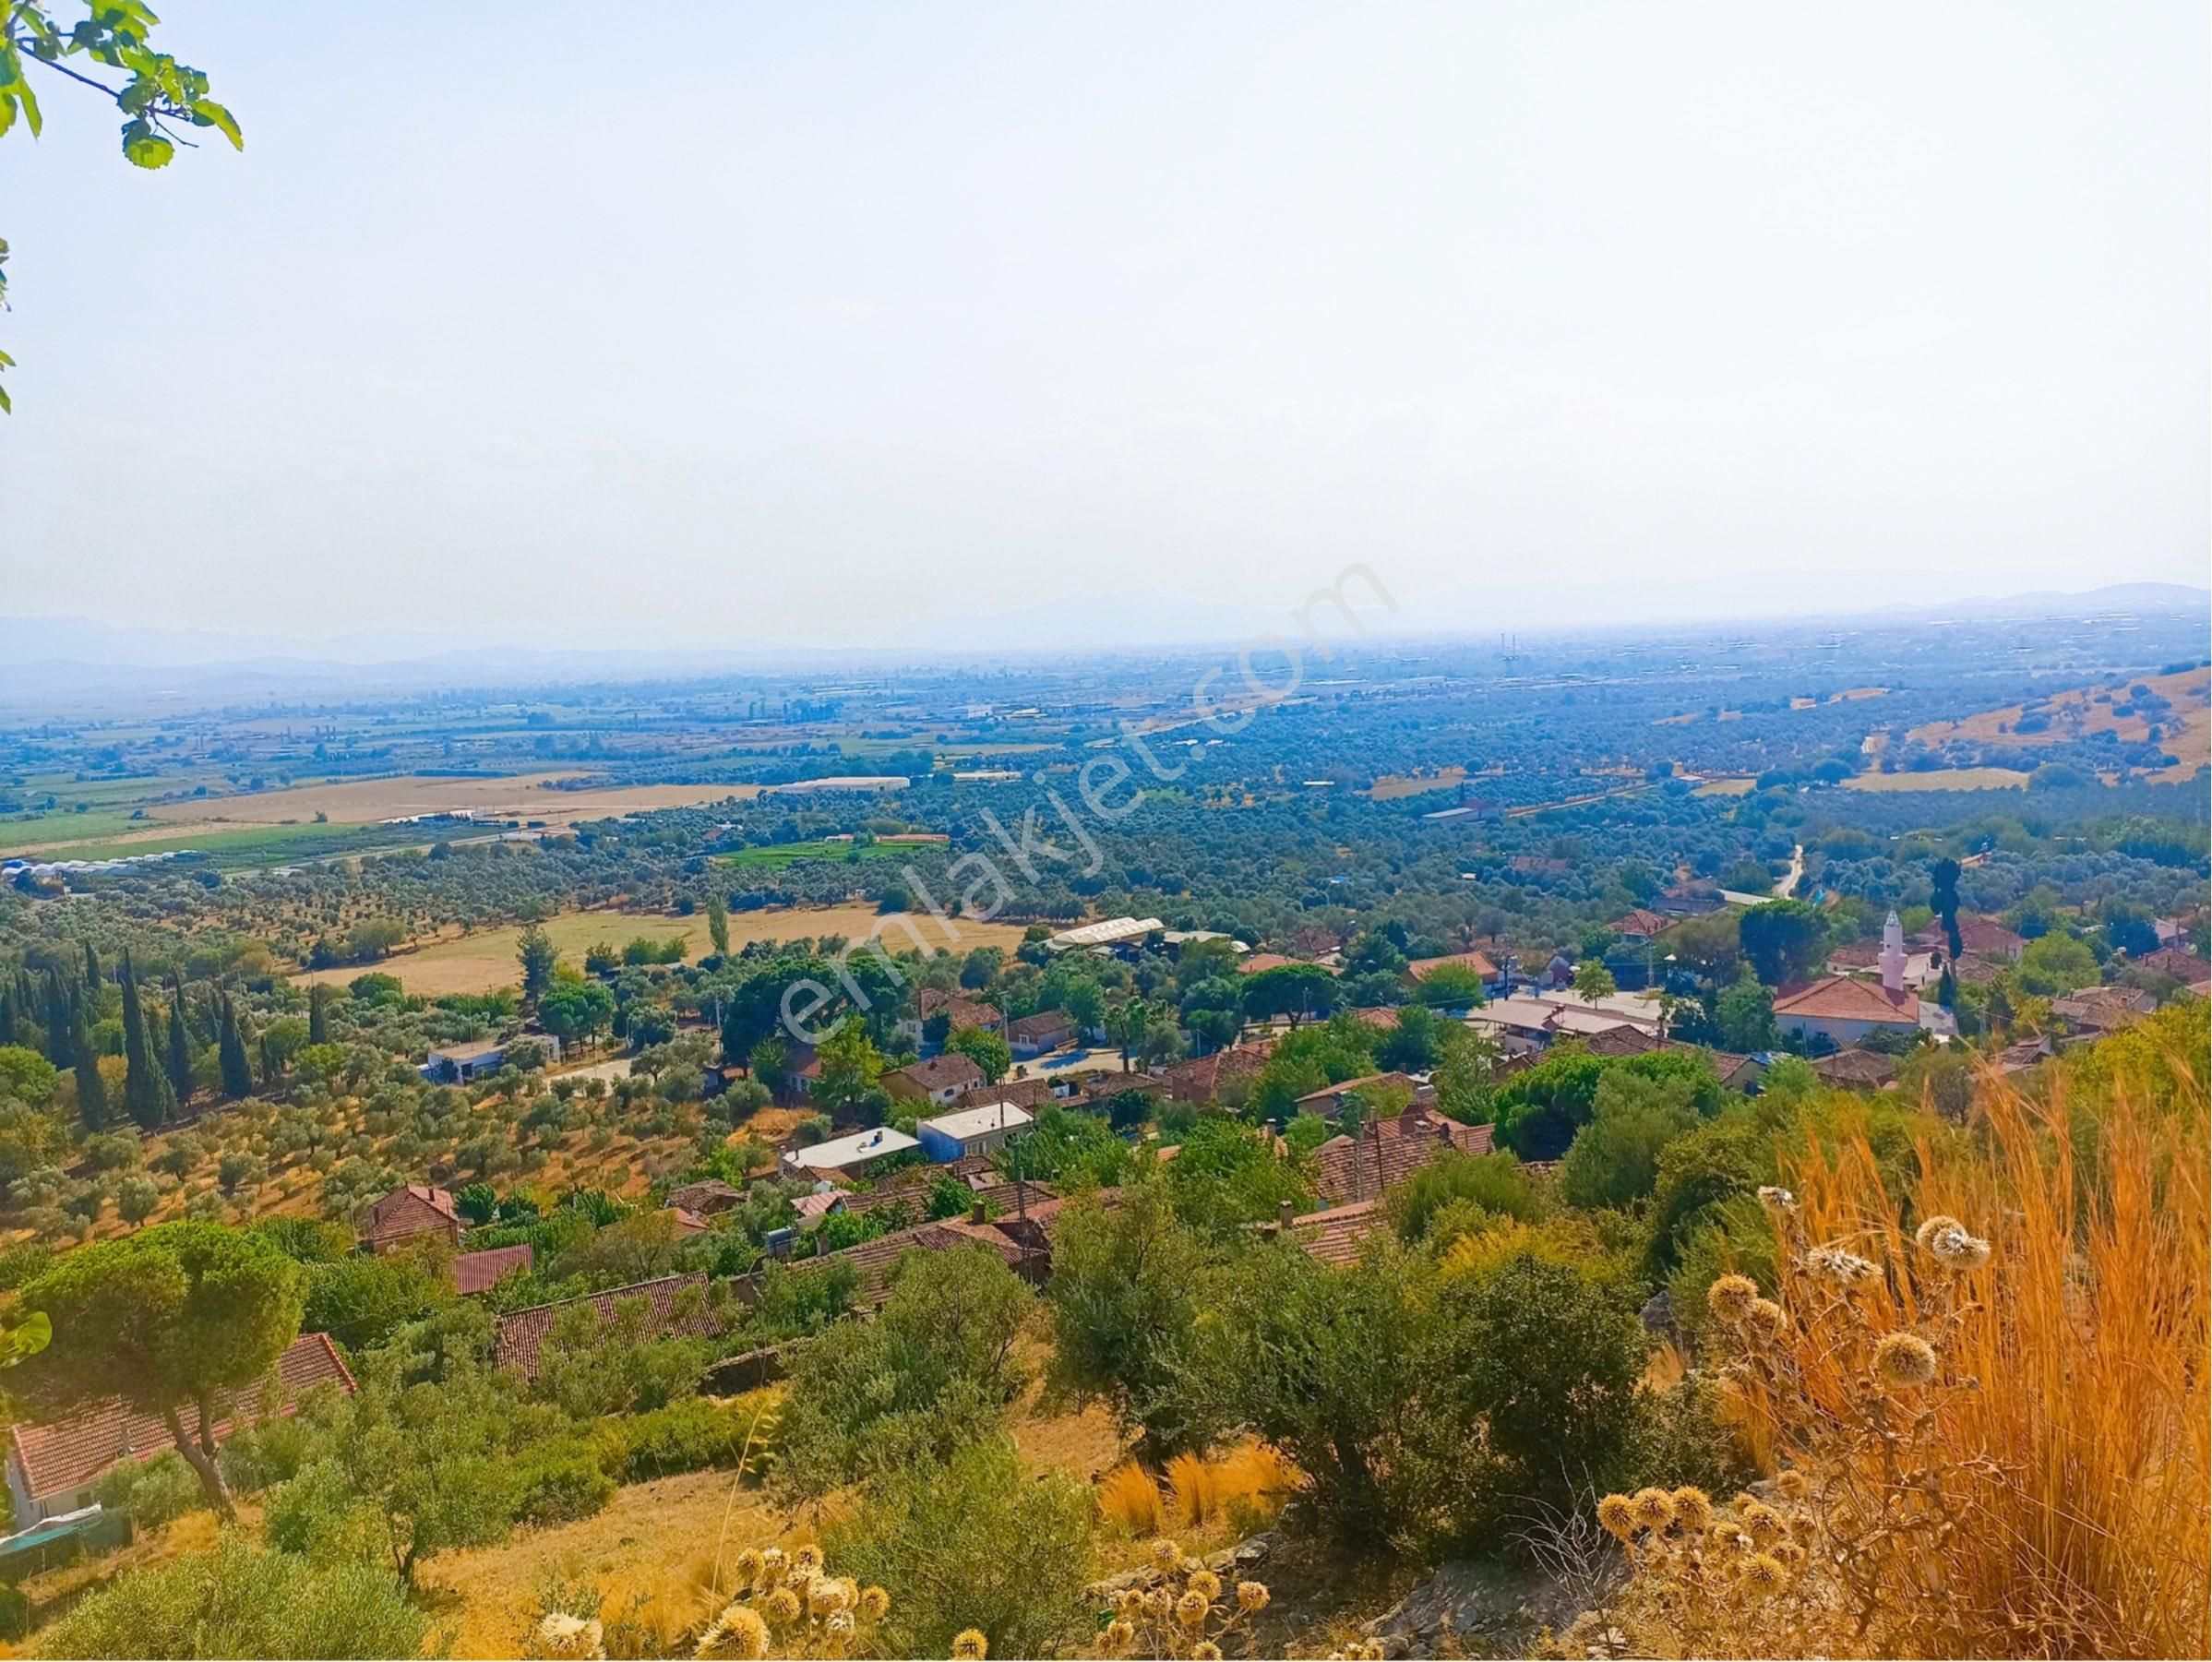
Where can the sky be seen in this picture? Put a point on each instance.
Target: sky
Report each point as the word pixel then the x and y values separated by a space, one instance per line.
pixel 781 324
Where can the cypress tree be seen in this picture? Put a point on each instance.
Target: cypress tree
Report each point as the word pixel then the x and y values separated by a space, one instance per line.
pixel 318 1014
pixel 147 1097
pixel 178 1055
pixel 7 1014
pixel 237 1072
pixel 92 968
pixel 92 1090
pixel 61 1011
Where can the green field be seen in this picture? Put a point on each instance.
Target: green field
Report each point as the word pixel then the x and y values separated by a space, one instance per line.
pixel 233 847
pixel 780 854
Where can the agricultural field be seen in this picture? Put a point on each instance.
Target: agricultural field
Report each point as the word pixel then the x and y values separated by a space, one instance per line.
pixel 298 819
pixel 1941 779
pixel 779 855
pixel 484 960
pixel 1392 788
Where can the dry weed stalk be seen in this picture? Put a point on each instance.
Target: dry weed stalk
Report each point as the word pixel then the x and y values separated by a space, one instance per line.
pixel 1187 1612
pixel 1994 1431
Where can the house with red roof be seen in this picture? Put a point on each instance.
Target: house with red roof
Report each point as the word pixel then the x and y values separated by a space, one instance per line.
pixel 407 1216
pixel 938 1079
pixel 52 1468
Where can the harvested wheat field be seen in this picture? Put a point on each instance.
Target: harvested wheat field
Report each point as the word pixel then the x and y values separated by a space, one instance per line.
pixel 483 960
pixel 1941 779
pixel 518 796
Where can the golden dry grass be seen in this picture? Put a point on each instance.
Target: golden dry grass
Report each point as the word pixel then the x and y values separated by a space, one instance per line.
pixel 2069 1428
pixel 655 1539
pixel 483 960
pixel 1941 779
pixel 1391 787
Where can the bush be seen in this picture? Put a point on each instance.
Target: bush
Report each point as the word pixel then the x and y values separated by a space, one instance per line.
pixel 151 1491
pixel 560 1481
pixel 933 1371
pixel 975 1542
pixel 238 1600
pixel 686 1436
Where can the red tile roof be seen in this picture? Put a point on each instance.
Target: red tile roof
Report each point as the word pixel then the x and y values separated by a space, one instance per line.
pixel 939 1073
pixel 706 1196
pixel 1389 1151
pixel 1387 1081
pixel 416 1209
pixel 1857 1069
pixel 878 1260
pixel 2185 967
pixel 1642 920
pixel 674 1306
pixel 958 1010
pixel 1199 1080
pixel 55 1459
pixel 1043 1025
pixel 1338 1235
pixel 473 1271
pixel 1257 963
pixel 1846 998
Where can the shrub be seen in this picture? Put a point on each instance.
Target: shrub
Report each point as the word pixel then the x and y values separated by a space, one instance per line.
pixel 151 1491
pixel 934 1370
pixel 684 1436
pixel 238 1600
pixel 559 1481
pixel 976 1542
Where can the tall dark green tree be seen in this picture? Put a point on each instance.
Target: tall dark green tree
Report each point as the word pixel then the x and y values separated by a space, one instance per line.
pixel 61 1011
pixel 176 1056
pixel 1943 898
pixel 237 1068
pixel 319 1000
pixel 147 1095
pixel 91 969
pixel 537 954
pixel 84 1062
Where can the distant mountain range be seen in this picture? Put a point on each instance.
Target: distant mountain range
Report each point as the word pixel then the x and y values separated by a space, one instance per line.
pixel 40 656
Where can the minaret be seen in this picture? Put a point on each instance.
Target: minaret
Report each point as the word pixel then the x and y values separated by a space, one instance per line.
pixel 1892 957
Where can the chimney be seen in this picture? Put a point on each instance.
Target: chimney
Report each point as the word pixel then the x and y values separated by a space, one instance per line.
pixel 976 1213
pixel 1284 1212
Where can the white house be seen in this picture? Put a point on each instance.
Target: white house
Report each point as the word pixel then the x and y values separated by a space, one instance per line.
pixel 978 1130
pixel 847 1156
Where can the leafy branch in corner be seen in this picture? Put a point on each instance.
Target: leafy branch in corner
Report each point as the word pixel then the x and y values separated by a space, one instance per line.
pixel 161 99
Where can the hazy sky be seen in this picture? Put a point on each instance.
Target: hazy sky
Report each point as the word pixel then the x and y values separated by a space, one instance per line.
pixel 796 322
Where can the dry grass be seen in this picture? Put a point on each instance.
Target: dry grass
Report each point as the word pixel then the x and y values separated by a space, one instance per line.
pixel 484 960
pixel 1130 1499
pixel 1941 779
pixel 655 1542
pixel 1391 787
pixel 1243 1487
pixel 2047 1495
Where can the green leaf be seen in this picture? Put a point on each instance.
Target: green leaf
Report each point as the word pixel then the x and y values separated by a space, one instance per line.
pixel 6 407
pixel 29 102
pixel 144 147
pixel 207 113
